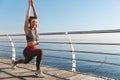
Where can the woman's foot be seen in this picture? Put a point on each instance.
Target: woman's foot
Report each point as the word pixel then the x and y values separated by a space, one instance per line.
pixel 13 65
pixel 39 74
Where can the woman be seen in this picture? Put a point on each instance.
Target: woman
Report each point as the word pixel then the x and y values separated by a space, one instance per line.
pixel 32 37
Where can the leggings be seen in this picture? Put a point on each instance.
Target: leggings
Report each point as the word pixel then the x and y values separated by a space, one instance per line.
pixel 29 53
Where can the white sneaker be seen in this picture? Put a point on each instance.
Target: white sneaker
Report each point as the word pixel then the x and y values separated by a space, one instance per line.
pixel 41 75
pixel 13 65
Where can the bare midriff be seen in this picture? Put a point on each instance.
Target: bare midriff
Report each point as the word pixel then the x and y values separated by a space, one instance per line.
pixel 33 43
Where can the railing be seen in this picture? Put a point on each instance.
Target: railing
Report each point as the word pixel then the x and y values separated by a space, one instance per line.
pixel 67 39
pixel 12 46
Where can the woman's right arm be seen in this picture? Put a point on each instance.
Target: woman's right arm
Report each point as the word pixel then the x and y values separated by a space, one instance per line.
pixel 26 24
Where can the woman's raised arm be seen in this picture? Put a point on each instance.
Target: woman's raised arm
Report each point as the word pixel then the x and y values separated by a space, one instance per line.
pixel 27 18
pixel 34 10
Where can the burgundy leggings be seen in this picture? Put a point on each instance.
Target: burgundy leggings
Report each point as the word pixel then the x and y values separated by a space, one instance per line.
pixel 29 53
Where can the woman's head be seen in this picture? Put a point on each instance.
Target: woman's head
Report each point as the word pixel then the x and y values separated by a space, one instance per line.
pixel 33 22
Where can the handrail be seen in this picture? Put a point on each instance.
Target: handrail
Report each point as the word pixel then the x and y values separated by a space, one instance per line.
pixel 82 43
pixel 73 53
pixel 71 44
pixel 72 32
pixel 13 48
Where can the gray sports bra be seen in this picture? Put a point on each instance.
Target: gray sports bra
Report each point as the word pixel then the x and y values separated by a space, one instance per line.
pixel 32 36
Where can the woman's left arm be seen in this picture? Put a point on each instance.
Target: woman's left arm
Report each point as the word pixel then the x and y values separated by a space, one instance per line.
pixel 34 10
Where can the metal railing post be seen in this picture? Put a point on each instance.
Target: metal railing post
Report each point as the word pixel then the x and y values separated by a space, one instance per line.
pixel 73 53
pixel 13 48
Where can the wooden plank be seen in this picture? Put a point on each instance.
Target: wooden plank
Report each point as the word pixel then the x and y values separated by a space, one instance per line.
pixel 26 72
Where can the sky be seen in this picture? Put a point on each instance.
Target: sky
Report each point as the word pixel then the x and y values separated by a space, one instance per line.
pixel 61 15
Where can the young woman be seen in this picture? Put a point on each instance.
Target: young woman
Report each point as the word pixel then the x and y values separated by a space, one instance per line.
pixel 32 37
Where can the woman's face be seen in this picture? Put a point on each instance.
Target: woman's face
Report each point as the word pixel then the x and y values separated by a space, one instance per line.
pixel 34 23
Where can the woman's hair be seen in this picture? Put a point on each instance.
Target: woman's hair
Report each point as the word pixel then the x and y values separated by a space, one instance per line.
pixel 32 17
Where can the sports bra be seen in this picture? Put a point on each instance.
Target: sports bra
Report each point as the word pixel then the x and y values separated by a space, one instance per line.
pixel 32 36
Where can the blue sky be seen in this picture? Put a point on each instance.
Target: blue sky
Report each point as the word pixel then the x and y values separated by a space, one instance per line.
pixel 61 15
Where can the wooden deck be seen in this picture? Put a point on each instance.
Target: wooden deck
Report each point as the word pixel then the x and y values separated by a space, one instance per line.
pixel 26 72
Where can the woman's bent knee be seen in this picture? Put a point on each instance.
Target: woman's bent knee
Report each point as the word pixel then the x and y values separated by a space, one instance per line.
pixel 26 62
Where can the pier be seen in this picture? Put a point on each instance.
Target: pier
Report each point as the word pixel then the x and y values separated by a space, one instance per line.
pixel 79 55
pixel 26 72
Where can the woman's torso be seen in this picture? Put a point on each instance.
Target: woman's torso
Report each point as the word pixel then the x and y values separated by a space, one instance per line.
pixel 32 38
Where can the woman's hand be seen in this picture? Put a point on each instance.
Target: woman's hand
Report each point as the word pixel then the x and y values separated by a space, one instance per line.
pixel 32 4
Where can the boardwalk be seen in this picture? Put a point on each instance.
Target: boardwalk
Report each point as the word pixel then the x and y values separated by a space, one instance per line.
pixel 25 72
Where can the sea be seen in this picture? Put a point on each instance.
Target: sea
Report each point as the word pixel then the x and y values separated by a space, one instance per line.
pixel 57 52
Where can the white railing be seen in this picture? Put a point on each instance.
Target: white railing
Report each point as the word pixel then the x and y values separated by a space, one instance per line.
pixel 13 48
pixel 73 50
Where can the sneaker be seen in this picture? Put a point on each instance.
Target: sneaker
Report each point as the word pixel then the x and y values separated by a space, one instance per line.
pixel 13 65
pixel 41 75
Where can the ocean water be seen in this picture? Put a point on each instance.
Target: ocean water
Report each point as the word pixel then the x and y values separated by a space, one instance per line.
pixel 99 69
